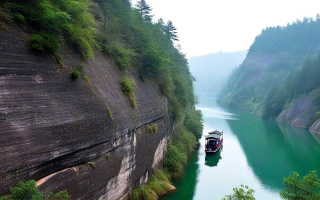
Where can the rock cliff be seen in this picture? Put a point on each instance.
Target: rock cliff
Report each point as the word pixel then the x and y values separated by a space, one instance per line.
pixel 82 136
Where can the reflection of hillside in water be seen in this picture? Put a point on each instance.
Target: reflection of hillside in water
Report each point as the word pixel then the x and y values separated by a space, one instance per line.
pixel 212 159
pixel 273 151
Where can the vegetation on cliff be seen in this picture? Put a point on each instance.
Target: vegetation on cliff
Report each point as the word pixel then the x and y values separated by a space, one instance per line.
pixel 281 66
pixel 123 32
pixel 178 150
pixel 28 190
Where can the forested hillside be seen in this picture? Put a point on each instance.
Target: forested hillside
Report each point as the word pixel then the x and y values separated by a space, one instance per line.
pixel 211 71
pixel 280 74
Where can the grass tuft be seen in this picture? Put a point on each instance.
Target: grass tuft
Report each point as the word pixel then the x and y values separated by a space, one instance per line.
pixel 108 157
pixel 153 129
pixel 59 59
pixel 127 87
pixel 91 164
pixel 158 186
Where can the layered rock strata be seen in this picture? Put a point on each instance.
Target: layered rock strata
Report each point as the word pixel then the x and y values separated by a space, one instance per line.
pixel 80 135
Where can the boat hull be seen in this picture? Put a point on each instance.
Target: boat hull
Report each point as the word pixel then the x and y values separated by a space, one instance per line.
pixel 213 151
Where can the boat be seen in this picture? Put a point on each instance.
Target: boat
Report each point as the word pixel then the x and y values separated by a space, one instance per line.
pixel 213 141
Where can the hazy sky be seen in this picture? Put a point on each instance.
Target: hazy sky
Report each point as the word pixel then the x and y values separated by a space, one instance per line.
pixel 209 26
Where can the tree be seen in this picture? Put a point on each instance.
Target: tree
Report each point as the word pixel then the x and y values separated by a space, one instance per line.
pixel 144 10
pixel 171 32
pixel 301 189
pixel 242 193
pixel 29 191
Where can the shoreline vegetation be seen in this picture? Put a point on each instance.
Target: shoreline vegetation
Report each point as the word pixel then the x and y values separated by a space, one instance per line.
pixel 179 148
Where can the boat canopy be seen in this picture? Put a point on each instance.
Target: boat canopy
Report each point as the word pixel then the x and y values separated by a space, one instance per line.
pixel 216 132
pixel 213 136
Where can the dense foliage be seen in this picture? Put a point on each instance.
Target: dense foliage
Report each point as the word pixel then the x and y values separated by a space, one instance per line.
pixel 307 188
pixel 241 193
pixel 183 143
pixel 53 22
pixel 277 69
pixel 28 190
pixel 159 185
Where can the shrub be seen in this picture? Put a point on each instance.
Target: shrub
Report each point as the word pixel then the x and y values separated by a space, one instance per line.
pixel 177 153
pixel 243 193
pixel 55 20
pixel 62 195
pixel 43 41
pixel 19 18
pixel 193 122
pixel 127 85
pixel 153 129
pixel 159 185
pixel 28 190
pixel 75 75
pixel 174 160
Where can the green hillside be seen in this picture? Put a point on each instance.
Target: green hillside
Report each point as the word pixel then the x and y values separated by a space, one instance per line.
pixel 281 66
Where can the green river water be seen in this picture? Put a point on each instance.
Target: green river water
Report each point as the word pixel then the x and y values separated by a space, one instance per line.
pixel 256 152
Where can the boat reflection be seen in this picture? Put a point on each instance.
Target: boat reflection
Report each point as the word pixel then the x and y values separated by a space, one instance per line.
pixel 212 159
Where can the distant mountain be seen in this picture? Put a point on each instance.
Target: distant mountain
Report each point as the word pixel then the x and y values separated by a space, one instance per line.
pixel 279 78
pixel 211 71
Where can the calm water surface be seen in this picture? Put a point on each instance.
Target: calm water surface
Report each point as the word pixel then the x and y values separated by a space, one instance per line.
pixel 256 152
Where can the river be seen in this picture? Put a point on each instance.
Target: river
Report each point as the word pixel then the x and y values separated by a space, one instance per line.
pixel 256 152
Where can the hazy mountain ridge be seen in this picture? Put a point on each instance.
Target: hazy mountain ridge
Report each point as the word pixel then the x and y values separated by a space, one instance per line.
pixel 278 78
pixel 211 71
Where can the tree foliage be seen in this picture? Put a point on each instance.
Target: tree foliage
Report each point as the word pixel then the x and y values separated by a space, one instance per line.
pixel 145 10
pixel 53 21
pixel 305 188
pixel 29 191
pixel 241 193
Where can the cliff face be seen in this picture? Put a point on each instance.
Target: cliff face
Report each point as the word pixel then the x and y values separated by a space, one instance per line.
pixel 51 126
pixel 300 114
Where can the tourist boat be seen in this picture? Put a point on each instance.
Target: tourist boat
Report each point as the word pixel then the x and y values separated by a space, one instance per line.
pixel 213 141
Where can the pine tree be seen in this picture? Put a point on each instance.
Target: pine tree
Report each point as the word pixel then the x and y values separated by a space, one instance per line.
pixel 171 32
pixel 145 10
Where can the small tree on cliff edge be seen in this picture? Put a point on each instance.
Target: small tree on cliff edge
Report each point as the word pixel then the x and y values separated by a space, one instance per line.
pixel 145 10
pixel 170 31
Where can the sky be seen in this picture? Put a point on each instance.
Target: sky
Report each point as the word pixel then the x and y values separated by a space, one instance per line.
pixel 210 26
